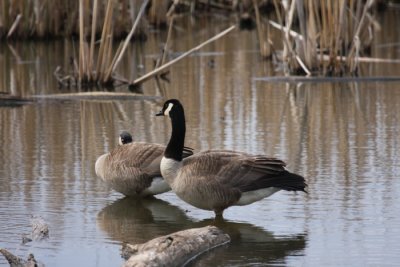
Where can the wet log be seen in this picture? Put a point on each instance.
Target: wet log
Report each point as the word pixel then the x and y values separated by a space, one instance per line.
pixel 40 231
pixel 176 249
pixel 16 261
pixel 12 259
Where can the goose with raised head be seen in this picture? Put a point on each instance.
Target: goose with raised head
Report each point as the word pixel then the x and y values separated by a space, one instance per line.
pixel 217 179
pixel 133 168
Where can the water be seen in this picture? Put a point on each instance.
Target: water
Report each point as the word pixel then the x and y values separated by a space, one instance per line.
pixel 343 137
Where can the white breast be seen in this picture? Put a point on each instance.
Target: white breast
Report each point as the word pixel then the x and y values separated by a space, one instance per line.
pixel 99 166
pixel 169 168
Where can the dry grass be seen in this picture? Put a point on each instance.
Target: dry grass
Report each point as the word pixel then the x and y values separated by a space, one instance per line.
pixel 318 37
pixel 60 18
pixel 329 36
pixel 90 70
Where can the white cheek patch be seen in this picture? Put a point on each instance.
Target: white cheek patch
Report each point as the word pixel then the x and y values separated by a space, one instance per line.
pixel 120 141
pixel 166 112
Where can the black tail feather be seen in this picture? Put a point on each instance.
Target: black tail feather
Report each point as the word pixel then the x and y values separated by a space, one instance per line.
pixel 291 182
pixel 284 180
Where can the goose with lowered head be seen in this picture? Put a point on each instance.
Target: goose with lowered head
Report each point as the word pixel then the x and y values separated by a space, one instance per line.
pixel 125 138
pixel 133 168
pixel 217 179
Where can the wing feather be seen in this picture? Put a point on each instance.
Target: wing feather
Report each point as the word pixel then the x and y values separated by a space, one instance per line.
pixel 243 171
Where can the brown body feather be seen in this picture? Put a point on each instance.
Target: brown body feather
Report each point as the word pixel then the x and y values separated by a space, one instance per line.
pixel 216 179
pixel 131 168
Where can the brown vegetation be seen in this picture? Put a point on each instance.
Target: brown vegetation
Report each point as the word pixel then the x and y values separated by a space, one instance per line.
pixel 91 71
pixel 318 37
pixel 324 37
pixel 28 19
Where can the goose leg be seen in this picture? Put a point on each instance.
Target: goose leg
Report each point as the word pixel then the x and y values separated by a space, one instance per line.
pixel 219 214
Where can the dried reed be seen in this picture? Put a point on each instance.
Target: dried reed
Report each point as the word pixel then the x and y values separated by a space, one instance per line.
pixel 105 63
pixel 32 19
pixel 327 37
pixel 337 29
pixel 187 53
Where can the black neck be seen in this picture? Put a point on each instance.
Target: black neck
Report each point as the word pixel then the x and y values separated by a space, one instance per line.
pixel 175 146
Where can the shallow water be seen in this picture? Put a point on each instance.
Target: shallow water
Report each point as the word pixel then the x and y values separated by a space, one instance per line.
pixel 343 137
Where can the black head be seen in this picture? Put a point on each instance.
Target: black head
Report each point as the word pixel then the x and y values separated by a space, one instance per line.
pixel 170 107
pixel 125 138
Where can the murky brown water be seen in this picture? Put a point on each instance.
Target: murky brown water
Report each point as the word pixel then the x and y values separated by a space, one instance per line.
pixel 343 137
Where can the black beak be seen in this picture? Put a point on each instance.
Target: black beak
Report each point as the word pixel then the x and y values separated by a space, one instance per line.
pixel 160 113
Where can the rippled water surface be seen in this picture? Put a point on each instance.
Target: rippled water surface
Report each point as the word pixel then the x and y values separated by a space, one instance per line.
pixel 343 137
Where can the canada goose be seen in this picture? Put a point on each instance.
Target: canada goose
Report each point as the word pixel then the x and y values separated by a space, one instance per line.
pixel 133 168
pixel 217 179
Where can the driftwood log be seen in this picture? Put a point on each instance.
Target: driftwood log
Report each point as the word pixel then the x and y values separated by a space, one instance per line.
pixel 95 96
pixel 175 249
pixel 16 261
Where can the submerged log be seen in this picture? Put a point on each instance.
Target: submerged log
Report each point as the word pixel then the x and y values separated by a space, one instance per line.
pixel 6 100
pixel 175 249
pixel 95 96
pixel 40 228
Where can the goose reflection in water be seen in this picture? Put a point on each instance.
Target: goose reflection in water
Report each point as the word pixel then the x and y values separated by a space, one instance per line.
pixel 136 220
